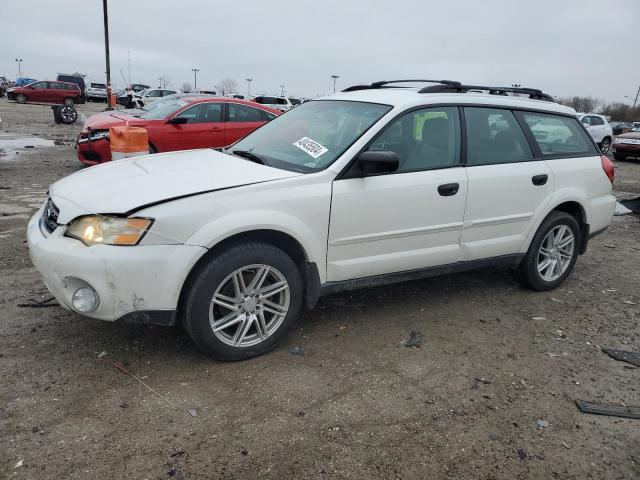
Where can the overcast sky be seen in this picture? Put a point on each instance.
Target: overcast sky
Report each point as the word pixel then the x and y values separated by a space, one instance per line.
pixel 565 47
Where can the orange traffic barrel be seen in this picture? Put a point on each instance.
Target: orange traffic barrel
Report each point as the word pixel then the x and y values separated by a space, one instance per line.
pixel 128 142
pixel 114 100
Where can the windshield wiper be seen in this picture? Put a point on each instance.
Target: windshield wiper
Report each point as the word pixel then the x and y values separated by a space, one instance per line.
pixel 250 156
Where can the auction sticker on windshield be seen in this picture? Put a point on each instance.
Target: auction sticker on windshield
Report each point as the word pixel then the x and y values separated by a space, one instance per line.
pixel 311 147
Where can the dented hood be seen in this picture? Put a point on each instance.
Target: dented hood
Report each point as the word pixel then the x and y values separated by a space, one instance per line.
pixel 120 186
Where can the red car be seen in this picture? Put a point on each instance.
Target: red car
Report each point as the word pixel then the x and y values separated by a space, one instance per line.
pixel 177 124
pixel 47 92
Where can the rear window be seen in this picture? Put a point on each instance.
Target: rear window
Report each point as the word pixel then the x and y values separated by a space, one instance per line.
pixel 98 85
pixel 558 135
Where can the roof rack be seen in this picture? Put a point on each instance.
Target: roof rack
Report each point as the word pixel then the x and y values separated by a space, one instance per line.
pixel 451 86
pixel 386 84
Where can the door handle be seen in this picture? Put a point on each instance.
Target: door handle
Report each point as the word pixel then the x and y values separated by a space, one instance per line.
pixel 448 189
pixel 215 129
pixel 540 179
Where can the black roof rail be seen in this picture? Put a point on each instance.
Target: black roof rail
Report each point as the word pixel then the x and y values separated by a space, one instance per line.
pixel 386 83
pixel 452 86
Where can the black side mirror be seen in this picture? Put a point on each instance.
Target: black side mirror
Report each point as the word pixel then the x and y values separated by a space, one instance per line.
pixel 374 162
pixel 177 121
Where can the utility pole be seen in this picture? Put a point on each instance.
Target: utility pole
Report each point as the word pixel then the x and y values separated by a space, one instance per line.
pixel 129 64
pixel 335 77
pixel 249 80
pixel 19 62
pixel 636 100
pixel 106 50
pixel 282 90
pixel 195 79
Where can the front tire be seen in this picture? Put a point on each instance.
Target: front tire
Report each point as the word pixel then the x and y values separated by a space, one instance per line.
pixel 21 98
pixel 243 301
pixel 553 252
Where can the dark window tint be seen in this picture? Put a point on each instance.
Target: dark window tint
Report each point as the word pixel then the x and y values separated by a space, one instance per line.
pixel 267 100
pixel 558 135
pixel 294 101
pixel 282 101
pixel 210 112
pixel 40 85
pixel 98 85
pixel 192 114
pixel 423 139
pixel 493 137
pixel 597 121
pixel 243 113
pixel 267 115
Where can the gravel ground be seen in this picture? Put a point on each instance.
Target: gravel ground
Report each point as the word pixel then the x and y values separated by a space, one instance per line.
pixel 495 359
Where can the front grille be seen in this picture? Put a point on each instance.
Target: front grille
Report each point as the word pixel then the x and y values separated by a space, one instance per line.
pixel 49 219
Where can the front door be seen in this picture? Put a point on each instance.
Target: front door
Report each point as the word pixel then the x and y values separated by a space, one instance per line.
pixel 204 128
pixel 408 219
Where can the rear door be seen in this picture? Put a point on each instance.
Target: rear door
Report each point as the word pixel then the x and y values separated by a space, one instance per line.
pixel 408 219
pixel 204 128
pixel 507 186
pixel 59 91
pixel 241 120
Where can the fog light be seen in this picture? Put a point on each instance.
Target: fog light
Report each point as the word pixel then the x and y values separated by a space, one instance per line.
pixel 85 300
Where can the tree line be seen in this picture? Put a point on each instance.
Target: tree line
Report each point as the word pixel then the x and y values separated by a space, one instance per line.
pixel 617 111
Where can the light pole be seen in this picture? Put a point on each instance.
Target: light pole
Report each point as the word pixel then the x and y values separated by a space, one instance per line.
pixel 106 53
pixel 195 78
pixel 282 90
pixel 636 100
pixel 335 77
pixel 19 62
pixel 249 80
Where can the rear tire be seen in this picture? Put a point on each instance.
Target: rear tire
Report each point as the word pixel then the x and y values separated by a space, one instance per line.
pixel 68 101
pixel 21 98
pixel 553 252
pixel 235 288
pixel 620 156
pixel 605 145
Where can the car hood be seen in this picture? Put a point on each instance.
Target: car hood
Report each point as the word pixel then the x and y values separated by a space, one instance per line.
pixel 102 121
pixel 121 186
pixel 635 135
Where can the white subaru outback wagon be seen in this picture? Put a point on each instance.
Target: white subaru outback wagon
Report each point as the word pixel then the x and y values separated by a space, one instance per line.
pixel 373 185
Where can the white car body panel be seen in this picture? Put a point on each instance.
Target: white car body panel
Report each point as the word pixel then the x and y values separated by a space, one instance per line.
pixel 349 228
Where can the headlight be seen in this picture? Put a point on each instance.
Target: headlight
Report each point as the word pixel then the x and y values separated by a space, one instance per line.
pixel 99 230
pixel 94 136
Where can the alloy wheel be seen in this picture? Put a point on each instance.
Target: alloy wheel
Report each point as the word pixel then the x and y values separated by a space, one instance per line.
pixel 20 98
pixel 68 114
pixel 249 305
pixel 555 253
pixel 605 146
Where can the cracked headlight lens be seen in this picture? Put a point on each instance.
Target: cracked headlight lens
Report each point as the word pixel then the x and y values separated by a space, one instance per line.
pixel 101 230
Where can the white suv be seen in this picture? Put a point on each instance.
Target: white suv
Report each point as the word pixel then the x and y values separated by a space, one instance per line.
pixel 279 103
pixel 366 187
pixel 599 129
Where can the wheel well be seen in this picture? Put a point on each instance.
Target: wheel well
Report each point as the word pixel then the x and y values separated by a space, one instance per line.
pixel 575 210
pixel 283 241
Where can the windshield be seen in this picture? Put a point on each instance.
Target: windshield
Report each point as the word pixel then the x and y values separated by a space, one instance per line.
pixel 312 136
pixel 163 111
pixel 98 85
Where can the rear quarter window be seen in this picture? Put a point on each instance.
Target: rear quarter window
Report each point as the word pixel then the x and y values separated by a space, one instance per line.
pixel 558 135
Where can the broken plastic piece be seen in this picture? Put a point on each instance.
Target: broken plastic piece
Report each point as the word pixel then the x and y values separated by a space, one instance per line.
pixel 613 410
pixel 630 357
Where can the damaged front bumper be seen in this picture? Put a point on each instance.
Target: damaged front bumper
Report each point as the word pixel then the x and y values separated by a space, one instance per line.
pixel 140 283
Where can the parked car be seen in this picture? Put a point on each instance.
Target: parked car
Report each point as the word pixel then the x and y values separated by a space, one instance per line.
pixel 74 78
pixel 367 187
pixel 295 102
pixel 627 144
pixel 47 92
pixel 22 81
pixel 619 128
pixel 599 129
pixel 279 103
pixel 180 124
pixel 121 95
pixel 145 97
pixel 97 92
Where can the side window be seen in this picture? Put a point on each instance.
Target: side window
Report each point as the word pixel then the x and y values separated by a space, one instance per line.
pixel 494 137
pixel 282 101
pixel 40 85
pixel 154 93
pixel 243 113
pixel 259 100
pixel 558 135
pixel 423 139
pixel 269 100
pixel 192 114
pixel 597 121
pixel 210 112
pixel 586 120
pixel 267 115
